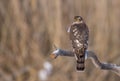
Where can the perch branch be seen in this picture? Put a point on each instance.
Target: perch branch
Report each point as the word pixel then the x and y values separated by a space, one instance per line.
pixel 89 55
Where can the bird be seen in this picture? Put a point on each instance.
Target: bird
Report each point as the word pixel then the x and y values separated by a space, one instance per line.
pixel 79 35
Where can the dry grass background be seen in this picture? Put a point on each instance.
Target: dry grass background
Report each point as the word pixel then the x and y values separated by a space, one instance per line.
pixel 28 29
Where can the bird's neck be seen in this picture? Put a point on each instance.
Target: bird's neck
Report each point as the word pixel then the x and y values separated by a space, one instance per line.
pixel 77 22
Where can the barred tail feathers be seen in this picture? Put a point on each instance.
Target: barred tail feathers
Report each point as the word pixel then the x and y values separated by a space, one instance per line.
pixel 80 63
pixel 80 54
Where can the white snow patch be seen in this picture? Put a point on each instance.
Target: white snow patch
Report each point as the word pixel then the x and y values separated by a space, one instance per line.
pixel 44 73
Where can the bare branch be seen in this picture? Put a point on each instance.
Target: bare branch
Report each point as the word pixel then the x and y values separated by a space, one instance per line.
pixel 89 55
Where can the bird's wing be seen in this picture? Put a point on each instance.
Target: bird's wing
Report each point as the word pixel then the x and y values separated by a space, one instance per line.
pixel 79 35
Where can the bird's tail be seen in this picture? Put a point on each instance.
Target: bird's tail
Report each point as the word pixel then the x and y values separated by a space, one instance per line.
pixel 80 63
pixel 81 60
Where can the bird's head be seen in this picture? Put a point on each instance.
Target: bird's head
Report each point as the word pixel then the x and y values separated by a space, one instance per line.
pixel 78 19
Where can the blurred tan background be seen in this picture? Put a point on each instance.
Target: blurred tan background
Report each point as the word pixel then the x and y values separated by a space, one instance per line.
pixel 29 28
